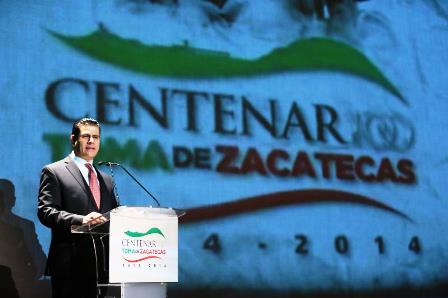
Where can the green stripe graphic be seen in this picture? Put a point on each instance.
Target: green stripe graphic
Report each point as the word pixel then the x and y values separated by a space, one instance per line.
pixel 183 61
pixel 150 231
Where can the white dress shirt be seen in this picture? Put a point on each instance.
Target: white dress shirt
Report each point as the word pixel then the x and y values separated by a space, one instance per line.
pixel 81 165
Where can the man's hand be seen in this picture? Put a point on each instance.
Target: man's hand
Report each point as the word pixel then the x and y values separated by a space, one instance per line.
pixel 93 218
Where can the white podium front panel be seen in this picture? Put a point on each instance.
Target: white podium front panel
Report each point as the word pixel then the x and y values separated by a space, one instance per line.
pixel 143 245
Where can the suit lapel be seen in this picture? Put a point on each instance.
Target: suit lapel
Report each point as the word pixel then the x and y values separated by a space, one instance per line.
pixel 76 173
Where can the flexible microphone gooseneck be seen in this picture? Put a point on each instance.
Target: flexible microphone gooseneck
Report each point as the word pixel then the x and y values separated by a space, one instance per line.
pixel 117 198
pixel 110 164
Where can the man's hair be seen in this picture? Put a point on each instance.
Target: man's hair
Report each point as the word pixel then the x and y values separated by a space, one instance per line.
pixel 84 121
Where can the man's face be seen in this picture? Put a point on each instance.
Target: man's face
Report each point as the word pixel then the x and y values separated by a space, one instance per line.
pixel 88 142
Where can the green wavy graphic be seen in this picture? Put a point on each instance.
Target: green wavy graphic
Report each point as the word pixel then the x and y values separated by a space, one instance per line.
pixel 150 231
pixel 184 61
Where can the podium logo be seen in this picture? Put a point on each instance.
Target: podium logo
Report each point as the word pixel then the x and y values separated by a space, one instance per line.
pixel 137 248
pixel 149 232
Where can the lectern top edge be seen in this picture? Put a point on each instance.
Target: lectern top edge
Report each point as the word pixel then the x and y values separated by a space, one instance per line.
pixel 145 212
pixel 128 211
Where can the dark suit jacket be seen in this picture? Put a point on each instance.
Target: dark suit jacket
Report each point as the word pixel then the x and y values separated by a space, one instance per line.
pixel 64 198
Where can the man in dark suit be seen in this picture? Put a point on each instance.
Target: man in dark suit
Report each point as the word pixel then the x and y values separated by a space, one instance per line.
pixel 73 192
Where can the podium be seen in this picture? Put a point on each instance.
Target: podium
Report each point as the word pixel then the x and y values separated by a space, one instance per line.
pixel 136 251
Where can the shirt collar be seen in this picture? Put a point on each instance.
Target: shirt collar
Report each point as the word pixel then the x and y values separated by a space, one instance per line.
pixel 78 160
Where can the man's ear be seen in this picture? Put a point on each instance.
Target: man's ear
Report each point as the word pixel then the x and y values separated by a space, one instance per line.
pixel 72 140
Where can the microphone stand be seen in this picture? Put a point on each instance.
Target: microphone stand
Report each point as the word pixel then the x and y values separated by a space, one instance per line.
pixel 110 164
pixel 115 184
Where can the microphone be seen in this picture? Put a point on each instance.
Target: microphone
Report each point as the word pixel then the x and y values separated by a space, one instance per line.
pixel 110 164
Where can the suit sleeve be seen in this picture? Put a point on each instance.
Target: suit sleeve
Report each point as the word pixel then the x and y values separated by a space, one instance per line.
pixel 49 209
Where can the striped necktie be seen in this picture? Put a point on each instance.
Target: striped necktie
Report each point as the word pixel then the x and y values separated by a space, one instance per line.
pixel 93 184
